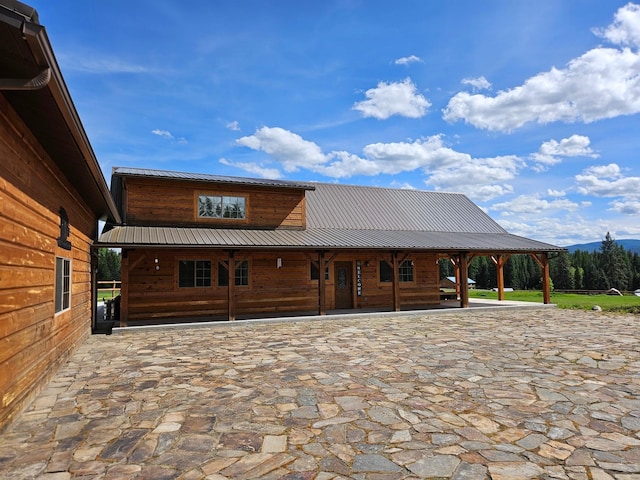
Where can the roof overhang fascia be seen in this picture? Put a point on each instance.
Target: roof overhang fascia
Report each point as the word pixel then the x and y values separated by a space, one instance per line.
pixel 82 168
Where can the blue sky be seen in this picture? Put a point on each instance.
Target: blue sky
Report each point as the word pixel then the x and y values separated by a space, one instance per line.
pixel 529 108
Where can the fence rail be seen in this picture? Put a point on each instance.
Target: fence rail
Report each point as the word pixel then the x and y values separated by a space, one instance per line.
pixel 107 287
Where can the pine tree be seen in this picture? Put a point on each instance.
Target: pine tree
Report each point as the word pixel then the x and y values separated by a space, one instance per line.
pixel 563 278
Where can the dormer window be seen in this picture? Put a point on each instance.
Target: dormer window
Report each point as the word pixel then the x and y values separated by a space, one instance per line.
pixel 219 206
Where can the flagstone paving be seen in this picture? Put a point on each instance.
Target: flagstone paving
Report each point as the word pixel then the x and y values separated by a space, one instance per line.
pixel 512 394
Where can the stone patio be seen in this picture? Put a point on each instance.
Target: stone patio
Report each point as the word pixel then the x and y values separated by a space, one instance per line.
pixel 476 394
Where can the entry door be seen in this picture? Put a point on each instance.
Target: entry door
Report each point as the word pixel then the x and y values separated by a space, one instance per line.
pixel 343 280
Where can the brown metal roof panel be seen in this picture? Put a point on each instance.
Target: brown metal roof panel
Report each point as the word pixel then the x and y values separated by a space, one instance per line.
pixel 323 238
pixel 204 177
pixel 370 208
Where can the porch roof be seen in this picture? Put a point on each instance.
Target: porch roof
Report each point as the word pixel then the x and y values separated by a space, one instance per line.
pixel 320 238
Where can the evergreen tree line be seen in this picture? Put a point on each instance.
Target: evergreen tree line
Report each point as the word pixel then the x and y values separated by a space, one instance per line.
pixel 108 264
pixel 611 267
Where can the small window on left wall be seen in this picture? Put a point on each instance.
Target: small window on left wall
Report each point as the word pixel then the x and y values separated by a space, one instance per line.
pixel 63 284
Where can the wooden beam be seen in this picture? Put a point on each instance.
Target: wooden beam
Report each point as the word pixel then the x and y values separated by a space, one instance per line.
pixel 396 281
pixel 543 261
pixel 321 284
pixel 499 261
pixel 137 262
pixel 464 284
pixel 231 287
pixel 124 289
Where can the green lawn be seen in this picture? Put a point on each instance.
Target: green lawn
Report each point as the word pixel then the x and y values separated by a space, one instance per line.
pixel 609 303
pixel 107 295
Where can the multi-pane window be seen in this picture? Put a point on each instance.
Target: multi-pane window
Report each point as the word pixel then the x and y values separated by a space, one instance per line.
pixel 241 274
pixel 63 284
pixel 386 272
pixel 218 206
pixel 405 272
pixel 315 272
pixel 194 273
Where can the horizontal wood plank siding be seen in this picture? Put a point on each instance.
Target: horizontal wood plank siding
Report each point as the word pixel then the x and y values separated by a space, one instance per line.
pixel 34 341
pixel 171 202
pixel 153 294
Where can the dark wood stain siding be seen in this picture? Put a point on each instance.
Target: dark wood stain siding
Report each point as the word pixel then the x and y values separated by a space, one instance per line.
pixel 154 295
pixel 33 340
pixel 167 202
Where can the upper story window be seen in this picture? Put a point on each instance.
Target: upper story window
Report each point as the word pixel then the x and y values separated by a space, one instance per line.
pixel 219 206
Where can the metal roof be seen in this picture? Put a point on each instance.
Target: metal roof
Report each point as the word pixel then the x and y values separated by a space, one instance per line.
pixel 353 207
pixel 344 217
pixel 320 238
pixel 204 177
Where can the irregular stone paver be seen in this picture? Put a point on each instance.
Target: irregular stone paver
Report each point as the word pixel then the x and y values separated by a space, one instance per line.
pixel 474 394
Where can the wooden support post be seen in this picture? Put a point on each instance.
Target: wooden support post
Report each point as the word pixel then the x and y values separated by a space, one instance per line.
pixel 546 284
pixel 463 267
pixel 321 284
pixel 456 271
pixel 396 281
pixel 94 288
pixel 499 261
pixel 231 288
pixel 124 289
pixel 543 261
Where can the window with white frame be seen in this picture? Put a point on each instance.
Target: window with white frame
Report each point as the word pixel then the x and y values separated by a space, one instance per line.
pixel 219 206
pixel 63 284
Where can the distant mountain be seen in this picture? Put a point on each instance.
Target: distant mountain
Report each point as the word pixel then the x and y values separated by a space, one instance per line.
pixel 628 244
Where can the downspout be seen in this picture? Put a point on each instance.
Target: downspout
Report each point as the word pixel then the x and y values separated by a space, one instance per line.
pixel 30 29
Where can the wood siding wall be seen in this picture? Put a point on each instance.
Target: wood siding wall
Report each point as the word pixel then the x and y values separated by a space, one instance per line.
pixel 34 340
pixel 173 203
pixel 153 296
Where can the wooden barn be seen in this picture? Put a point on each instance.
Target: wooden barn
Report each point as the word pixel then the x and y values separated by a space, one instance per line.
pixel 52 194
pixel 206 247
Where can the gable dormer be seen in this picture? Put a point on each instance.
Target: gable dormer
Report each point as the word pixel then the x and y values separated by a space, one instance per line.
pixel 161 198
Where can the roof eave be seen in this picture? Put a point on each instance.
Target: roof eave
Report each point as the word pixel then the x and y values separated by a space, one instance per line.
pixel 84 162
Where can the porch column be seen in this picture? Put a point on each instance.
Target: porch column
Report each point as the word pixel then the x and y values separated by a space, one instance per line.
pixel 321 284
pixel 546 284
pixel 499 261
pixel 396 281
pixel 463 267
pixel 543 261
pixel 231 287
pixel 124 289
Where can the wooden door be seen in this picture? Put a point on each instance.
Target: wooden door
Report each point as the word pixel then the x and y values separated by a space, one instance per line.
pixel 343 280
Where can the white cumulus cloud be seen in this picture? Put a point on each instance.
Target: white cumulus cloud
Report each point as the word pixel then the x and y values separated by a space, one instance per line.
pixel 235 126
pixel 287 148
pixel 601 83
pixel 254 169
pixel 408 60
pixel 396 98
pixel 533 204
pixel 444 168
pixel 552 152
pixel 607 181
pixel 479 83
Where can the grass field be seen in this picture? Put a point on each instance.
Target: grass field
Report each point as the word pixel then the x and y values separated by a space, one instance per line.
pixel 608 303
pixel 107 295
